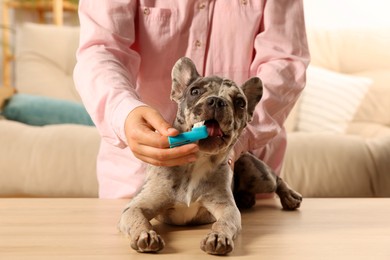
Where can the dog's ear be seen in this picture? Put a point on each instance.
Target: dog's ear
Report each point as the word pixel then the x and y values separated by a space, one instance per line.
pixel 253 90
pixel 183 74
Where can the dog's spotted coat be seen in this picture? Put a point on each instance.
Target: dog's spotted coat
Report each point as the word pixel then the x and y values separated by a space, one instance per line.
pixel 201 192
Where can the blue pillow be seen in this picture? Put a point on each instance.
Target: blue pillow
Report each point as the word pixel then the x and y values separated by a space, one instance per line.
pixel 40 111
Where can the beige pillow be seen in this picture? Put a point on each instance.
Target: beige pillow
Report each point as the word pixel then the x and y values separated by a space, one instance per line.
pixel 330 100
pixel 375 107
pixel 45 58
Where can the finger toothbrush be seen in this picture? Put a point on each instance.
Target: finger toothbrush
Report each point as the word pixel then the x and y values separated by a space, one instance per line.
pixel 199 131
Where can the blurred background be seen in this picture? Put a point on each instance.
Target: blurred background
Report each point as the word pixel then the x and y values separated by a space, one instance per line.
pixel 338 132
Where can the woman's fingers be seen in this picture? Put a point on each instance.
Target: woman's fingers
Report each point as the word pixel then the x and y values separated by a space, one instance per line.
pixel 167 157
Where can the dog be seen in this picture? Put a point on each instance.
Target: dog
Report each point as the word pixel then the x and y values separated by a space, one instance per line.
pixel 207 190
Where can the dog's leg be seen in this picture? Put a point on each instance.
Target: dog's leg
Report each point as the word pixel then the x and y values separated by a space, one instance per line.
pixel 134 222
pixel 252 176
pixel 228 224
pixel 135 218
pixel 289 198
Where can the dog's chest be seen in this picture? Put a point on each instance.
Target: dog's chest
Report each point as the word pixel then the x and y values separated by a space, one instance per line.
pixel 189 193
pixel 198 175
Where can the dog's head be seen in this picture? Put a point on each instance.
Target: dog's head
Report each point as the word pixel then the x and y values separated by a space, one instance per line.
pixel 225 107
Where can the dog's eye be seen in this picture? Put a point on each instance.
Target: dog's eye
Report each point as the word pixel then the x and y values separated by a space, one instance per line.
pixel 240 103
pixel 195 91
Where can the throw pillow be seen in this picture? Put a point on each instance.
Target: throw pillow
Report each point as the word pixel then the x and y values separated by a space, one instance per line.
pixel 45 65
pixel 330 100
pixel 39 111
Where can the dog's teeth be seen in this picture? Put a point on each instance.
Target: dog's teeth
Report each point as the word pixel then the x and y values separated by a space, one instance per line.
pixel 199 124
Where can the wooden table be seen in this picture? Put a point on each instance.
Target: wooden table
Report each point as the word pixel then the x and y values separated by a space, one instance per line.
pixel 86 229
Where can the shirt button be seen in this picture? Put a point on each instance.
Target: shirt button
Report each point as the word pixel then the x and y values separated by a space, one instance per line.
pixel 244 2
pixel 198 44
pixel 146 11
pixel 202 6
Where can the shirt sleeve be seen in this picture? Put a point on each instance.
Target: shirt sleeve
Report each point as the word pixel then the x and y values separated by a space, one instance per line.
pixel 280 61
pixel 106 71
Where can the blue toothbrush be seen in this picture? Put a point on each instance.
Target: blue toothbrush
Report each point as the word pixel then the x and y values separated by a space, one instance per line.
pixel 199 131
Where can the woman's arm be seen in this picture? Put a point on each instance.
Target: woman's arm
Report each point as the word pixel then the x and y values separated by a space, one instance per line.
pixel 107 67
pixel 280 61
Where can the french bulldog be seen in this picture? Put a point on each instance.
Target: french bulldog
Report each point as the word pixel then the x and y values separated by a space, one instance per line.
pixel 207 190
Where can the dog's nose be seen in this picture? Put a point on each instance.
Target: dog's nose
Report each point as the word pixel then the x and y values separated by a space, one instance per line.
pixel 215 102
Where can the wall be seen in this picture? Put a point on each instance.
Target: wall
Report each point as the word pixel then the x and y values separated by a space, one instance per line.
pixel 347 13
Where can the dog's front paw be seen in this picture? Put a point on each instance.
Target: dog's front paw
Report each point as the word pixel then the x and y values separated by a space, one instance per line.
pixel 217 244
pixel 148 242
pixel 290 199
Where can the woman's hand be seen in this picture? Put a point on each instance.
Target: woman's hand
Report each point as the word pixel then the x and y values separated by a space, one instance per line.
pixel 147 136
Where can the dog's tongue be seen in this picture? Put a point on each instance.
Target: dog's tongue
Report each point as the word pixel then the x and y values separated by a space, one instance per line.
pixel 213 128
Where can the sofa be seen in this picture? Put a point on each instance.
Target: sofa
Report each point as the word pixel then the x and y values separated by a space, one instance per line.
pixel 338 132
pixel 54 160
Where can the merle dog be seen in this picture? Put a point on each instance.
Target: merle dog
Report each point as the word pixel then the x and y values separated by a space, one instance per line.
pixel 202 192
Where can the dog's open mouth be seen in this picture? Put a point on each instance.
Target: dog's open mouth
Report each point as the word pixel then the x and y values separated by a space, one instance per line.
pixel 216 139
pixel 213 128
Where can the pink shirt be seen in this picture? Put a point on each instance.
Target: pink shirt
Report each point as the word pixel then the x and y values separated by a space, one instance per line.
pixel 128 48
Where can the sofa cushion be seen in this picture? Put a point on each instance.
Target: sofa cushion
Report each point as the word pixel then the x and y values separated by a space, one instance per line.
pixel 330 100
pixel 48 161
pixel 44 66
pixel 380 153
pixel 39 111
pixel 350 50
pixel 337 165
